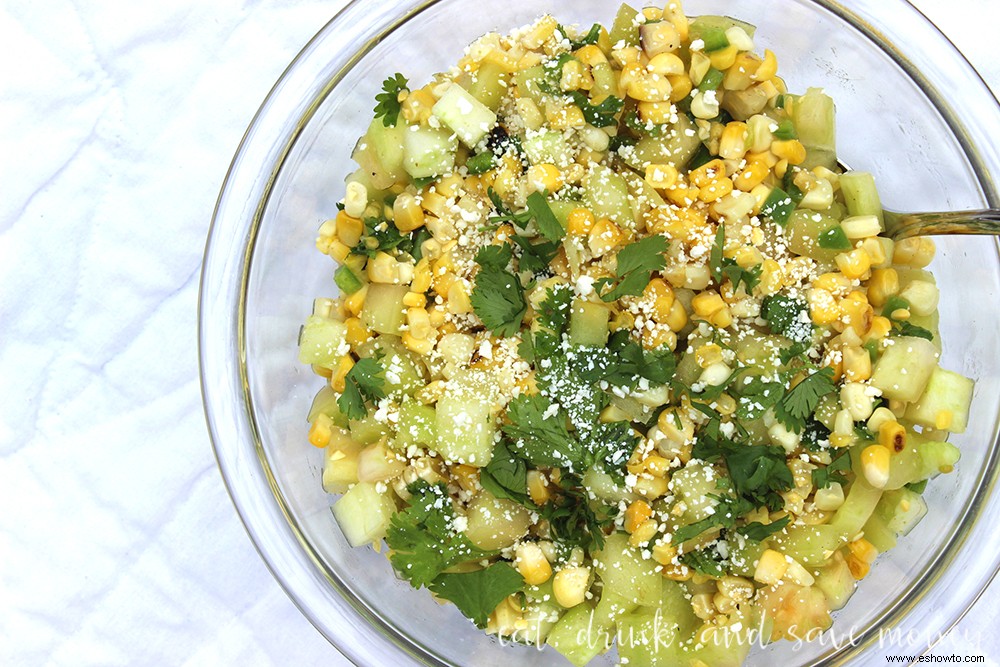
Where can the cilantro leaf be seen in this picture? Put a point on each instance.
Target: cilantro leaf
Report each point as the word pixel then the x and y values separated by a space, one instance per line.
pixel 553 312
pixel 792 351
pixel 908 329
pixel 590 38
pixel 498 298
pixel 757 396
pixel 706 561
pixel 538 431
pixel 535 257
pixel 902 327
pixel 834 472
pixel 800 402
pixel 494 257
pixel 422 538
pixel 725 267
pixel 623 363
pixel 477 594
pixel 758 472
pixel 504 214
pixel 363 382
pixel 548 225
pixel 387 105
pixel 612 444
pixel 573 520
pixel 598 115
pixel 784 315
pixel 727 512
pixel 506 475
pixel 758 532
pixel 380 235
pixel 636 263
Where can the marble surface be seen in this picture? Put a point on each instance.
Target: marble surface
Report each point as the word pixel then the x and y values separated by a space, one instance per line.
pixel 118 543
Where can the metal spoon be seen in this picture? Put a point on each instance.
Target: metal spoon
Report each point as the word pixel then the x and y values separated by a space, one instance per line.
pixel 903 225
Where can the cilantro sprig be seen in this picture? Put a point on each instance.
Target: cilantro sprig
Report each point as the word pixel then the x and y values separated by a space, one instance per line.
pixel 364 382
pixel 387 105
pixel 498 297
pixel 724 268
pixel 800 402
pixel 833 473
pixel 636 263
pixel 477 594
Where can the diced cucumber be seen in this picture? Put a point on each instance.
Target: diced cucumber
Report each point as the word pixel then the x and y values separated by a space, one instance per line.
pixel 938 457
pixel 385 142
pixel 570 636
pixel 836 582
pixel 903 510
pixel 945 402
pixel 878 533
pixel 322 341
pixel 903 370
pixel 861 195
pixel 428 152
pixel 529 82
pixel 646 640
pixel 744 555
pixel 540 616
pixel 675 147
pixel 859 504
pixel 404 372
pixel 675 607
pixel 815 121
pixel 363 514
pixel 383 310
pixel 417 425
pixel 465 427
pixel 340 462
pixel 376 463
pixel 588 323
pixel 346 280
pixel 804 231
pixel 547 147
pixel 367 429
pixel 624 571
pixel 603 486
pixel 325 403
pixel 605 82
pixel 495 523
pixel 694 486
pixel 624 29
pixel 466 116
pixel 760 350
pixel 712 22
pixel 489 85
pixel 606 194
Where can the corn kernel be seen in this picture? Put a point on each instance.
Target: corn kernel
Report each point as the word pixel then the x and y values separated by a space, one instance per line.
pixel 357 334
pixel 604 237
pixel 569 587
pixel 538 487
pixel 356 301
pixel 884 283
pixel 853 264
pixel 643 533
pixel 790 149
pixel 916 252
pixel 661 176
pixel 531 563
pixel 320 431
pixel 337 379
pixel 771 567
pixel 752 175
pixel 875 464
pixel 823 308
pixel 733 142
pixel 544 177
pixel 767 68
pixel 892 436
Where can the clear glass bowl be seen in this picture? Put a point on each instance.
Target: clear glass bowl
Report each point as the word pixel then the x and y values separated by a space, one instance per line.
pixel 910 109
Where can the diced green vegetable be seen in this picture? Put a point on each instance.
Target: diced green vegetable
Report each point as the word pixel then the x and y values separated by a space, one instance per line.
pixel 489 85
pixel 363 514
pixel 777 207
pixel 466 116
pixel 623 29
pixel 606 194
pixel 815 122
pixel 861 195
pixel 588 323
pixel 904 368
pixel 417 425
pixel 383 310
pixel 428 152
pixel 495 523
pixel 624 571
pixel 321 341
pixel 325 403
pixel 547 147
pixel 465 427
pixel 569 636
pixel 945 402
pixel 346 280
pixel 805 232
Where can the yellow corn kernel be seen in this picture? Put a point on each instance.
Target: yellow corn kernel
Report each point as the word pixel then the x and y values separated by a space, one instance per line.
pixel 335 249
pixel 875 250
pixel 823 308
pixel 570 584
pixel 544 177
pixel 414 300
pixel 659 113
pixel 916 252
pixel 591 55
pixel 880 328
pixel 747 257
pixel 354 302
pixel 740 75
pixel 771 567
pixel 357 334
pixel 863 550
pixel 458 298
pixel 752 175
pixel 772 277
pixel 416 106
pixel 767 68
pixel 791 150
pixel 422 346
pixel 421 276
pixel 716 190
pixel 857 313
pixel 649 88
pixel 657 337
pixel 407 213
pixel 382 269
pixel 707 303
pixel 857 363
pixel 680 87
pixel 538 487
pixel 564 117
pixel 722 319
pixel 661 176
pixel 580 222
pixel 320 431
pixel 682 195
pixel 708 354
pixel 723 59
pixel 604 236
pixel 418 322
pixel 678 317
pixel 875 464
pixel 892 436
pixel 664 554
pixel 854 264
pixel 344 365
pixel 656 465
pixel 733 142
pixel 834 283
pixel 707 173
pixel 531 563
pixel 884 283
pixel 645 532
pixel 648 486
pixel 349 229
pixel 637 514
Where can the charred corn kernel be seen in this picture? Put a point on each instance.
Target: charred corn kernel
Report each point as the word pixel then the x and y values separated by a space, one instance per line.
pixel 354 302
pixel 356 332
pixel 580 222
pixel 858 568
pixel 884 283
pixel 771 567
pixel 531 563
pixel 790 149
pixel 337 379
pixel 414 300
pixel 658 113
pixel 637 514
pixel 320 431
pixel 421 346
pixel 767 68
pixel 723 59
pixel 916 252
pixel 643 533
pixel 892 436
pixel 875 464
pixel 752 175
pixel 603 237
pixel 544 177
pixel 538 487
pixel 661 176
pixel 570 584
pixel 707 173
pixel 823 308
pixel 707 303
pixel 349 228
pixel 854 264
pixel 733 143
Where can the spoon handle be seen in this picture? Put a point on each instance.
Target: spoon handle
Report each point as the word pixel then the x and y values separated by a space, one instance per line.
pixel 904 225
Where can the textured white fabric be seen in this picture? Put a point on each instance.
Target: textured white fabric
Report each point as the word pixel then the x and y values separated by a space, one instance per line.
pixel 118 543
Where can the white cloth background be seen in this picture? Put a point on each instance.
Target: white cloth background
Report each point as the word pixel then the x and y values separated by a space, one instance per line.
pixel 118 543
